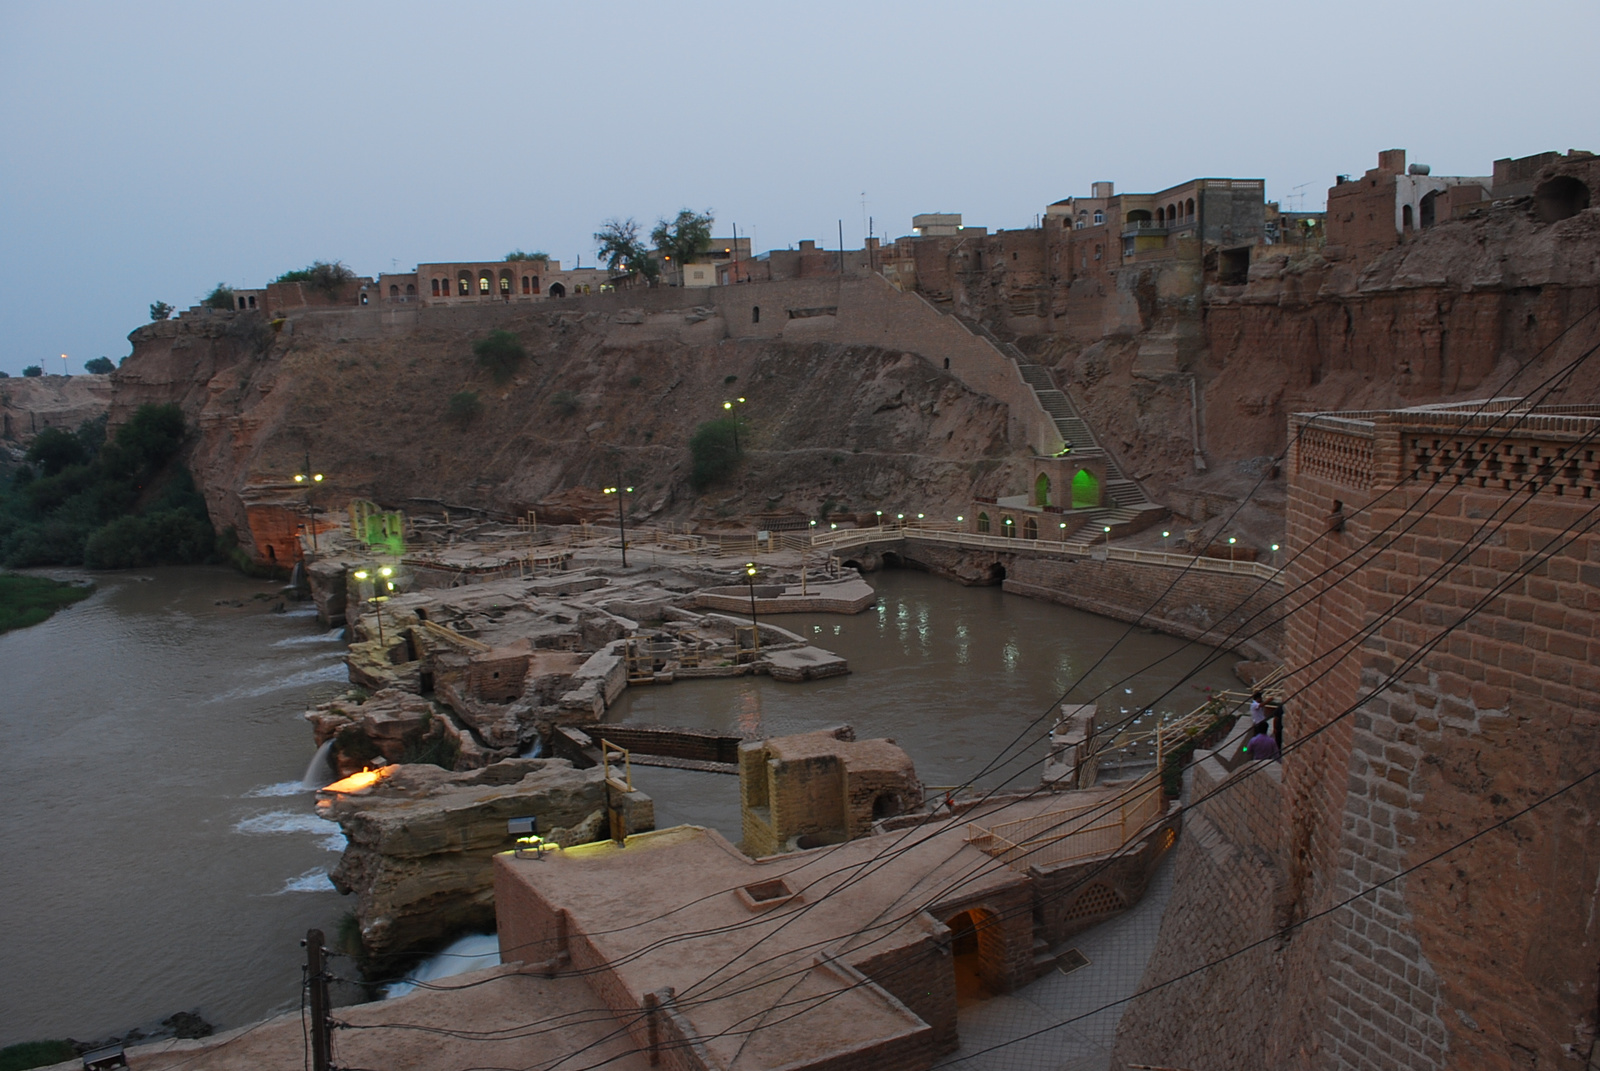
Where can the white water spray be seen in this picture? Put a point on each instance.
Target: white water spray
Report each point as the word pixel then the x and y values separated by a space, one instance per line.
pixel 321 771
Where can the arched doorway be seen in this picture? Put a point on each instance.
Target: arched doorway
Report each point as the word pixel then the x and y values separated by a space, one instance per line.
pixel 983 524
pixel 1085 490
pixel 977 955
pixel 1030 529
pixel 1041 490
pixel 557 290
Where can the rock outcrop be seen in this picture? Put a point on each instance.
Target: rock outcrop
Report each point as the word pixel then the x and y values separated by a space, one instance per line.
pixel 422 838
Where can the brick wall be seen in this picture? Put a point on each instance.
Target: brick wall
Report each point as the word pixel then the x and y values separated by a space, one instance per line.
pixel 1485 958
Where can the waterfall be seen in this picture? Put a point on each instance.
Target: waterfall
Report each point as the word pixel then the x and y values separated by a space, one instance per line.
pixel 321 771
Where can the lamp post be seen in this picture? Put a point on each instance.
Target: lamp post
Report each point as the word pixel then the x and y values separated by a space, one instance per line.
pixel 729 407
pixel 621 531
pixel 1108 538
pixel 755 629
pixel 378 600
pixel 308 479
pixel 1274 555
pixel 1164 535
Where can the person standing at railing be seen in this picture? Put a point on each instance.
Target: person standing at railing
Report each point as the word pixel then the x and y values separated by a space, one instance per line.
pixel 1262 747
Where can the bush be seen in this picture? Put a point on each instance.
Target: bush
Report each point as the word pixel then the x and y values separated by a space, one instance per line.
pixel 36 1054
pixel 33 371
pixel 565 401
pixel 169 537
pixel 517 254
pixel 221 297
pixel 501 353
pixel 324 277
pixel 100 366
pixel 55 450
pixel 160 311
pixel 463 408
pixel 715 450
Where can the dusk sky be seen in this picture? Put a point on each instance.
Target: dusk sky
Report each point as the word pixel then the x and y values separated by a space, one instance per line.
pixel 148 151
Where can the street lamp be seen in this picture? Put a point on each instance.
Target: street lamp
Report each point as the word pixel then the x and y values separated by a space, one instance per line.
pixel 308 479
pixel 1108 538
pixel 729 407
pixel 755 629
pixel 621 531
pixel 378 600
pixel 1164 536
pixel 1274 555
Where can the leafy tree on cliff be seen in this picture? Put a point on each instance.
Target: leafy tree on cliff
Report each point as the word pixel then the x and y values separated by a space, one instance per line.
pixel 100 366
pixel 126 502
pixel 501 353
pixel 685 238
pixel 33 371
pixel 622 251
pixel 714 446
pixel 463 408
pixel 221 297
pixel 320 275
pixel 160 311
pixel 517 254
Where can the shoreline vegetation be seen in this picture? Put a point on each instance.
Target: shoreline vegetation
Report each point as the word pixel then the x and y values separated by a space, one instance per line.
pixel 28 600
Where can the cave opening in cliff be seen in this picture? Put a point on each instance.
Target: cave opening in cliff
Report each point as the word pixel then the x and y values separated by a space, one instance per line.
pixel 1233 266
pixel 1560 198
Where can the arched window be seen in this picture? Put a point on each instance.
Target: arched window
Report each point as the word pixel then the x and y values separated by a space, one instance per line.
pixel 1188 208
pixel 394 291
pixel 557 290
pixel 1099 217
pixel 411 290
pixel 241 301
pixel 1041 490
pixel 1030 529
pixel 755 314
pixel 436 288
pixel 1008 528
pixel 505 283
pixel 466 284
pixel 485 283
pixel 1172 213
pixel 527 285
pixel 1160 218
pixel 983 524
pixel 535 284
pixel 1405 217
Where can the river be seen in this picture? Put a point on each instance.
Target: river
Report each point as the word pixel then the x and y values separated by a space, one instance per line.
pixel 159 854
pixel 156 851
pixel 952 674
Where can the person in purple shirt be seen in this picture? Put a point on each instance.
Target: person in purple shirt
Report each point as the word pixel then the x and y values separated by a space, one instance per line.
pixel 1262 746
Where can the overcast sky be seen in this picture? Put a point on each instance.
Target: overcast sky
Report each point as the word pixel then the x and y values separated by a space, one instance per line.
pixel 149 150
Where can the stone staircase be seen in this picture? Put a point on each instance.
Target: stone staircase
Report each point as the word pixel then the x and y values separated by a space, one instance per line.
pixel 1128 499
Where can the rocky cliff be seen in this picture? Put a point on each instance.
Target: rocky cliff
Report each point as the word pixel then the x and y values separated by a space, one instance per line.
pixel 607 391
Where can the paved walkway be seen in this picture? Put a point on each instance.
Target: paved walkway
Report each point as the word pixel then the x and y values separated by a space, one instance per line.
pixel 1118 952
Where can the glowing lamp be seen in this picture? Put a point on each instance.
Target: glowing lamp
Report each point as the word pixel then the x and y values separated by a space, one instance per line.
pixel 1232 541
pixel 359 782
pixel 1274 548
pixel 360 574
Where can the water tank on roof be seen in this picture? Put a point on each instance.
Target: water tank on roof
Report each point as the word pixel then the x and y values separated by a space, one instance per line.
pixel 1418 169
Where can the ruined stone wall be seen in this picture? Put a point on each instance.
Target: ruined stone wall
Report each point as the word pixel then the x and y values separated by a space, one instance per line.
pixel 1216 608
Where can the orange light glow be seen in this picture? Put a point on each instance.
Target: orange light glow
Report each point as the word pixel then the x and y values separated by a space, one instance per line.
pixel 359 781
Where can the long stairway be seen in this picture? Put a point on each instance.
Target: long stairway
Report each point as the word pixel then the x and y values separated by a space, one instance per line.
pixel 1127 497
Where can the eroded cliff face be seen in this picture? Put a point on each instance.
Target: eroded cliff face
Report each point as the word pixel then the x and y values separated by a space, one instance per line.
pixel 29 405
pixel 603 395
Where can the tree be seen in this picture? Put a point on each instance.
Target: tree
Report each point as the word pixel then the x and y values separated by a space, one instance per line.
pixel 55 449
pixel 501 352
pixel 463 408
pixel 33 371
pixel 100 366
pixel 714 446
pixel 320 275
pixel 685 238
pixel 517 254
pixel 221 297
pixel 622 251
pixel 160 311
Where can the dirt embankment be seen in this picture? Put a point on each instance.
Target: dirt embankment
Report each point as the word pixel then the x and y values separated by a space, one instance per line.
pixel 859 427
pixel 30 404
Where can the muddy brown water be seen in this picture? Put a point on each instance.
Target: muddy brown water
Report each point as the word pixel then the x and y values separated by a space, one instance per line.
pixel 952 674
pixel 157 853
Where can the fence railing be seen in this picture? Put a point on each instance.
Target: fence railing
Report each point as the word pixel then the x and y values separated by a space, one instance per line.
pixel 1073 833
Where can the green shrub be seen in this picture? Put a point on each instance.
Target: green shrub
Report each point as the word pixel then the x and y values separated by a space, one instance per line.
pixel 170 537
pixel 160 311
pixel 28 600
pixel 36 1054
pixel 565 402
pixel 221 297
pixel 635 381
pixel 714 446
pixel 501 353
pixel 100 366
pixel 463 408
pixel 324 277
pixel 517 254
pixel 33 371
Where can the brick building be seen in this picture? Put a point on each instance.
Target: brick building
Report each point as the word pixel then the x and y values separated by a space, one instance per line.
pixel 1443 633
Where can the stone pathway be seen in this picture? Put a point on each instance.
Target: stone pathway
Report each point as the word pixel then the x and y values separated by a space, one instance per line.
pixel 1118 952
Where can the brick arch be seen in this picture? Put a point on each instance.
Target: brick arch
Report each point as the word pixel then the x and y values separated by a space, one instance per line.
pixel 978 951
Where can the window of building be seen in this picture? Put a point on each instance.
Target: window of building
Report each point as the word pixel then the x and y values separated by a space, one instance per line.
pixel 394 290
pixel 1099 217
pixel 466 285
pixel 1188 208
pixel 1405 217
pixel 483 283
pixel 983 523
pixel 755 314
pixel 411 290
pixel 527 285
pixel 1160 217
pixel 1098 250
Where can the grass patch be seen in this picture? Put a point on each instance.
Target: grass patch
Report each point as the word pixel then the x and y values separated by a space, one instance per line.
pixel 28 600
pixel 35 1054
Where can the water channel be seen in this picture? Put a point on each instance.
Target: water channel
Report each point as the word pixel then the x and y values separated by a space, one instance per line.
pixel 159 854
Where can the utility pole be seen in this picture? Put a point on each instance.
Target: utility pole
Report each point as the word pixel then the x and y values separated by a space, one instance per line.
pixel 841 247
pixel 317 980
